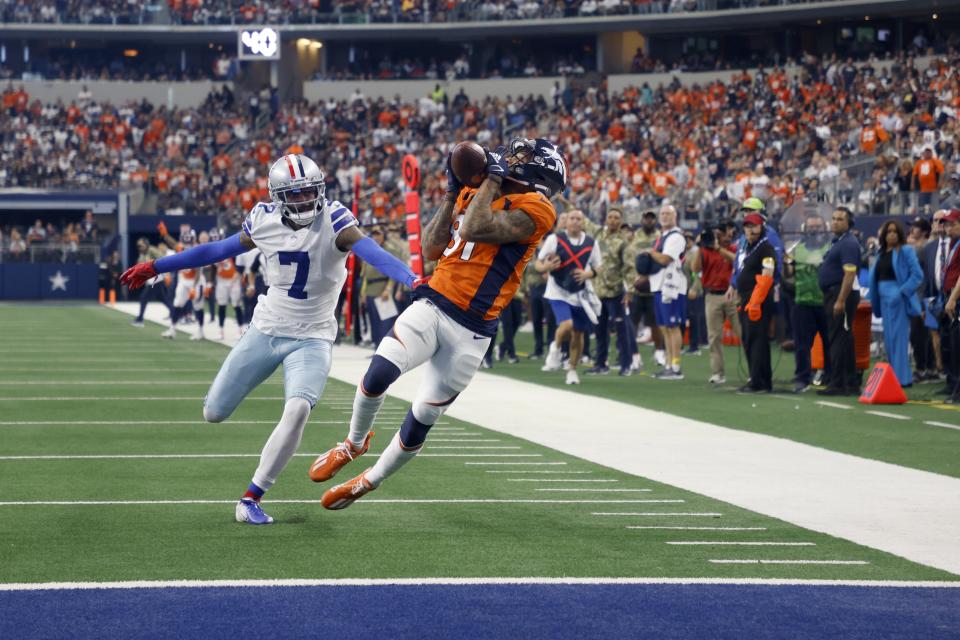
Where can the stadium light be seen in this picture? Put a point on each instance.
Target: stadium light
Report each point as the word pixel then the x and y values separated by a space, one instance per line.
pixel 130 53
pixel 303 42
pixel 316 44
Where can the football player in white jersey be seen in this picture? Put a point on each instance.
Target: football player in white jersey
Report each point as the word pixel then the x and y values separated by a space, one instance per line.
pixel 304 240
pixel 186 285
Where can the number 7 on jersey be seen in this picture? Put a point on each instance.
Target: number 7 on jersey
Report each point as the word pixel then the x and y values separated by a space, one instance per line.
pixel 302 260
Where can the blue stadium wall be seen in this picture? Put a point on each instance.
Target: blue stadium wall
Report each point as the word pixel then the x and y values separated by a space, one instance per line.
pixel 25 281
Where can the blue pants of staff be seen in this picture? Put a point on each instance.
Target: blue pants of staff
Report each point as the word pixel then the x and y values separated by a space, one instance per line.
pixel 896 330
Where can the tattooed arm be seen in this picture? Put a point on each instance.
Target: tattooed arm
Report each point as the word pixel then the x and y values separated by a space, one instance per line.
pixel 481 225
pixel 437 234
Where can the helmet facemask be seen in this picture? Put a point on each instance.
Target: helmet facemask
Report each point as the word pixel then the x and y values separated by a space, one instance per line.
pixel 300 200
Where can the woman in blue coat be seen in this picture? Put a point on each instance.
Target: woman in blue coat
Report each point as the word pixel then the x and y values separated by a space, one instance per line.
pixel 894 280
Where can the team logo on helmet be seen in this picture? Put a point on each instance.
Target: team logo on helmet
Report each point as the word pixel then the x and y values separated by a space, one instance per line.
pixel 296 185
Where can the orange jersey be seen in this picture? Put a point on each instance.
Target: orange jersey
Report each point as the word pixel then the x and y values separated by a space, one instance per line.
pixel 480 278
pixel 226 270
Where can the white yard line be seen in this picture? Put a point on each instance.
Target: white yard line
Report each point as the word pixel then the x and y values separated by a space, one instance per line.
pixel 692 514
pixel 884 414
pixel 832 405
pixel 80 423
pixel 668 528
pixel 825 562
pixel 713 543
pixel 524 463
pixel 934 423
pixel 557 479
pixel 416 582
pixel 907 512
pixel 580 490
pixel 536 471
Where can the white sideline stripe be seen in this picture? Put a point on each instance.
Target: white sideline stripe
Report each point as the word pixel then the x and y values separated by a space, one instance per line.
pixel 535 471
pixel 742 544
pixel 94 503
pixel 843 562
pixel 528 463
pixel 462 440
pixel 556 479
pixel 934 423
pixel 692 514
pixel 171 456
pixel 639 526
pixel 596 490
pixel 149 383
pixel 453 582
pixel 884 414
pixel 835 405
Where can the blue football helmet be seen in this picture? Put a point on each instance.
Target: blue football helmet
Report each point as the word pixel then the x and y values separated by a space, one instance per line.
pixel 538 164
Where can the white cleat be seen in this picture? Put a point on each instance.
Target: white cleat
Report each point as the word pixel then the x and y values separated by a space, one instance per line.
pixel 660 357
pixel 717 379
pixel 554 359
pixel 572 377
pixel 220 335
pixel 170 333
pixel 637 363
pixel 198 335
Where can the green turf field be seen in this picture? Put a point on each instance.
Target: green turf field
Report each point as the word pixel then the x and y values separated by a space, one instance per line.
pixel 909 441
pixel 79 381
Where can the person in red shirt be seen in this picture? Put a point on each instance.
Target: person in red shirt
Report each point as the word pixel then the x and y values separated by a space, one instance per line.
pixel 714 261
pixel 262 152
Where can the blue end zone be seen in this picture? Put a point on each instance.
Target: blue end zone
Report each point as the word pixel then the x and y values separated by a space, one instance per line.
pixel 486 611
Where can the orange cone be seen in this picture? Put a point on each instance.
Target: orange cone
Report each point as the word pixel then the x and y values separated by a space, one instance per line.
pixel 883 387
pixel 113 296
pixel 103 296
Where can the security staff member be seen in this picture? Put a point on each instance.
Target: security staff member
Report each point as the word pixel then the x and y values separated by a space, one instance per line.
pixel 838 277
pixel 754 282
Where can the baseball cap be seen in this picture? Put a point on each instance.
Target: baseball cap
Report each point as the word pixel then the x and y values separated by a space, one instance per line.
pixel 754 219
pixel 952 216
pixel 921 222
pixel 649 214
pixel 752 204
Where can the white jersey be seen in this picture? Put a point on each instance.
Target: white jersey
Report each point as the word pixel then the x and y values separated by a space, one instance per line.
pixel 304 268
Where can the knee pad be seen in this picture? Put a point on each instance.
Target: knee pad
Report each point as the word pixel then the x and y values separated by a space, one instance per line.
pixel 413 433
pixel 212 416
pixel 429 412
pixel 380 375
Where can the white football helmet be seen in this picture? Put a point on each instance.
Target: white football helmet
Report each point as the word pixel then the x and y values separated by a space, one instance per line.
pixel 296 186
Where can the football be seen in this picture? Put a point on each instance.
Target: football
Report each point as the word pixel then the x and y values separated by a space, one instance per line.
pixel 468 163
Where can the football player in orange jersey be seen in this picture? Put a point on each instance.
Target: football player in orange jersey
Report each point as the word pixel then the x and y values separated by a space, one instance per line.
pixel 483 239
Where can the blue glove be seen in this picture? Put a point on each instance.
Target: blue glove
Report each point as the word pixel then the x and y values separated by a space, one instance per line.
pixel 454 186
pixel 497 163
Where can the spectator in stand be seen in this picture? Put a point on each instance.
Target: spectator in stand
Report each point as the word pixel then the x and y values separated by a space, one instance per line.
pixel 927 179
pixel 894 280
pixel 88 228
pixel 714 263
pixel 841 295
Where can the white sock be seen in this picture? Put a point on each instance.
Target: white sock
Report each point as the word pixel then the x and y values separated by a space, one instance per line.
pixel 365 410
pixel 390 461
pixel 283 442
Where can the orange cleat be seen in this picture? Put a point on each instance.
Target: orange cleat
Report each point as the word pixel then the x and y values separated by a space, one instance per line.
pixel 328 464
pixel 344 495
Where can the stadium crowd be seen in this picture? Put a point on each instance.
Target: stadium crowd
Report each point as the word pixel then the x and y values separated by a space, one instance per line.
pixel 47 242
pixel 305 11
pixel 876 137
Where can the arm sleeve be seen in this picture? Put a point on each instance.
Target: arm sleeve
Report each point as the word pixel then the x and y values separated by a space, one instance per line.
pixel 388 265
pixel 202 255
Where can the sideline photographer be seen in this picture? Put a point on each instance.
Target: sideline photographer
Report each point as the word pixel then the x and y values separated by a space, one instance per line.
pixel 714 262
